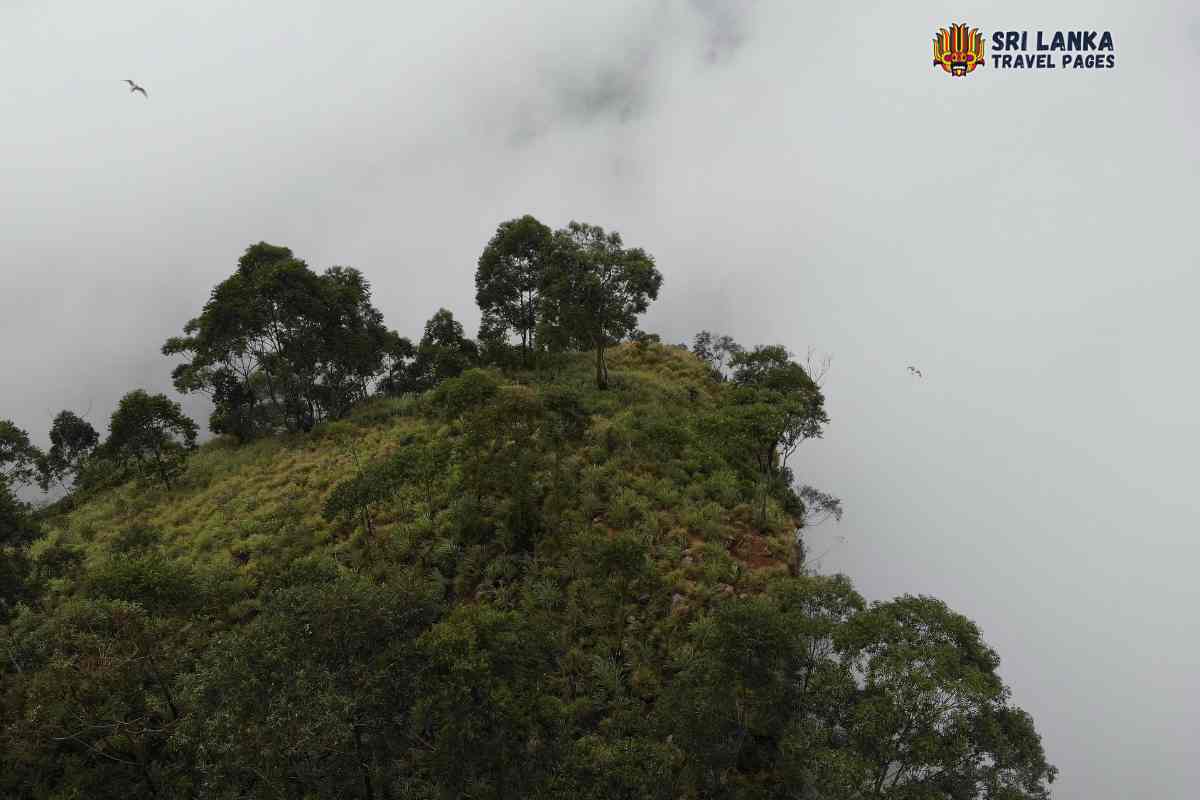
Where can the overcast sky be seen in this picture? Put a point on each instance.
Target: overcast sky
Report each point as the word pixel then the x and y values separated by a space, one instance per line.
pixel 802 174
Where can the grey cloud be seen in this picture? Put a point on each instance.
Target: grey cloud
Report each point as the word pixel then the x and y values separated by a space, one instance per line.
pixel 614 91
pixel 625 77
pixel 726 26
pixel 1024 238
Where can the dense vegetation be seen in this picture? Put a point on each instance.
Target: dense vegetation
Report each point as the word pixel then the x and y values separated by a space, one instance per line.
pixel 546 563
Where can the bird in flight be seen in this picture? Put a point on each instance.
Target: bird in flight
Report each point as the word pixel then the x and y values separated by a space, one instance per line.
pixel 915 371
pixel 133 87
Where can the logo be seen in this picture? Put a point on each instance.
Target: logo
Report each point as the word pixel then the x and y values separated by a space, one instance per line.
pixel 958 50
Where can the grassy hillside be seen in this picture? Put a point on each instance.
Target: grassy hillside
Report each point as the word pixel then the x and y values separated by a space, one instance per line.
pixel 510 586
pixel 254 509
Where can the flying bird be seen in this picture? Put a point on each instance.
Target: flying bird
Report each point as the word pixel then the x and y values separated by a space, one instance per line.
pixel 133 87
pixel 915 371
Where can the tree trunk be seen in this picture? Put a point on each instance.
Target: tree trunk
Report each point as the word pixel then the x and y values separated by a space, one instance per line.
pixel 766 481
pixel 601 367
pixel 762 521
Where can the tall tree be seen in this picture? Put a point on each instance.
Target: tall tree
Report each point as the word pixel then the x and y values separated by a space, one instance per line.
pixel 443 352
pixel 16 528
pixel 338 726
pixel 595 289
pixel 398 359
pixel 769 373
pixel 931 717
pixel 716 351
pixel 354 339
pixel 278 345
pixel 770 407
pixel 91 704
pixel 153 433
pixel 19 457
pixel 72 440
pixel 509 279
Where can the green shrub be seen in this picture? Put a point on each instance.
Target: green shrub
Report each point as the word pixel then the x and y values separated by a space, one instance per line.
pixel 705 520
pixel 627 509
pixel 54 559
pixel 136 539
pixel 154 582
pixel 723 487
pixel 457 396
pixel 379 410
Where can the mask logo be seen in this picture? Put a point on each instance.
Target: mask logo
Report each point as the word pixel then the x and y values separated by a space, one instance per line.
pixel 958 50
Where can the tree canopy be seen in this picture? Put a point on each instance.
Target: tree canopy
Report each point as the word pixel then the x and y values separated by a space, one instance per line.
pixel 595 290
pixel 770 406
pixel 72 441
pixel 509 280
pixel 280 346
pixel 152 433
pixel 464 573
pixel 19 457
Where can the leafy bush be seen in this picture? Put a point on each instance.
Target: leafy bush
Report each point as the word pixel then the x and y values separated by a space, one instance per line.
pixel 156 583
pixel 627 509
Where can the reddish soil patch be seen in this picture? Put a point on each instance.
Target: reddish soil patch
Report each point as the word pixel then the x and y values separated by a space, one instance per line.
pixel 754 551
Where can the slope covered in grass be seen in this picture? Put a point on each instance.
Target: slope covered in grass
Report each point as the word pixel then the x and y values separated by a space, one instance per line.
pixel 510 586
pixel 256 508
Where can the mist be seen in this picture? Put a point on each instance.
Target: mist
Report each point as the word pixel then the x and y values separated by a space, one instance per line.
pixel 802 176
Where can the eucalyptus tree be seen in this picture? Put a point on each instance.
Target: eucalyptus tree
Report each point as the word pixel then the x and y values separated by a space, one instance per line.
pixel 769 407
pixel 19 457
pixel 152 433
pixel 509 279
pixel 278 345
pixel 595 289
pixel 931 717
pixel 444 351
pixel 72 441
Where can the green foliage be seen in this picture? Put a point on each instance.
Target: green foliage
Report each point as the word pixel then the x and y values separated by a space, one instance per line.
pixel 420 462
pixel 152 432
pixel 19 458
pixel 17 581
pixel 136 539
pixel 490 727
pixel 16 527
pixel 513 585
pixel 89 705
pixel 381 410
pixel 716 352
pixel 311 698
pixel 471 390
pixel 72 441
pixel 374 484
pixel 54 559
pixel 612 768
pixel 278 345
pixel 594 291
pixel 151 580
pixel 508 282
pixel 627 509
pixel 932 712
pixel 444 352
pixel 769 408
